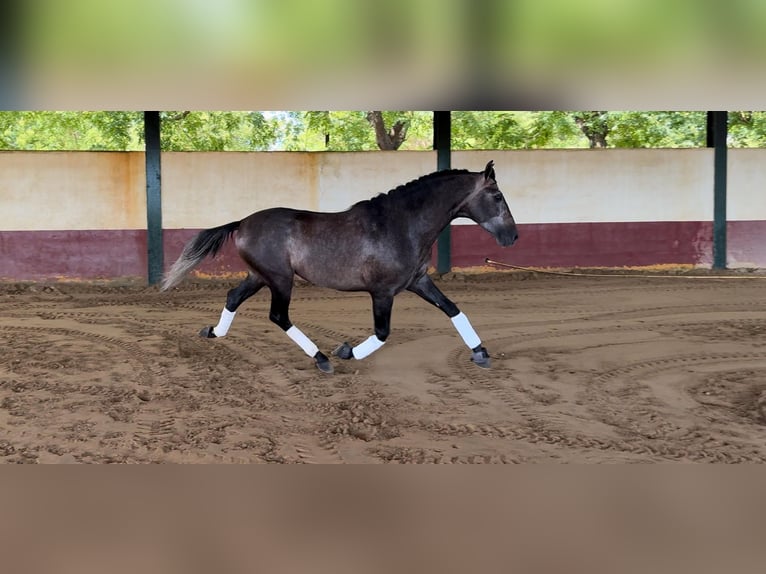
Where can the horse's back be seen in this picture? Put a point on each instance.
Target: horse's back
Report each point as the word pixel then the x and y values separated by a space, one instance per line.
pixel 294 237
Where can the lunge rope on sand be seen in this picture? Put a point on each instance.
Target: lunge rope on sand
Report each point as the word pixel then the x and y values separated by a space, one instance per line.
pixel 628 275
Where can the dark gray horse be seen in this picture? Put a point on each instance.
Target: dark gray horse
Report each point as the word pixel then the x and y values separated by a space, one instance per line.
pixel 381 245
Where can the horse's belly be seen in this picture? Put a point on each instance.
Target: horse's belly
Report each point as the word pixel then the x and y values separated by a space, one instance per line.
pixel 353 273
pixel 342 281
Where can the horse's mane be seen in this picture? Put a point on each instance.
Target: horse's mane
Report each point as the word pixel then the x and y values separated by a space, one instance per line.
pixel 407 189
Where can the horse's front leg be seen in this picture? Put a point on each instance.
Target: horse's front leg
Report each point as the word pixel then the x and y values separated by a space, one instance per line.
pixel 425 287
pixel 381 312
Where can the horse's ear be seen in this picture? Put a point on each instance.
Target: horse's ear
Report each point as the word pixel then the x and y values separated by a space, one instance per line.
pixel 489 171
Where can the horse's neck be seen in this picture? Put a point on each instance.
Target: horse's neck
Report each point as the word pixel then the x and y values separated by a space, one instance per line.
pixel 440 206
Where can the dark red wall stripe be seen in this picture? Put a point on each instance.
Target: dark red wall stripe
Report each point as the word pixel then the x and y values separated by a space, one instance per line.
pixel 746 243
pixel 88 254
pixel 588 244
pixel 108 254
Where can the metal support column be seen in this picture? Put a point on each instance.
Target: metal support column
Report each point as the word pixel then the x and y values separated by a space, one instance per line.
pixel 717 130
pixel 155 256
pixel 443 146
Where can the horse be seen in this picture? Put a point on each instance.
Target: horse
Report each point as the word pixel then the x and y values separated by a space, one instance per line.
pixel 380 245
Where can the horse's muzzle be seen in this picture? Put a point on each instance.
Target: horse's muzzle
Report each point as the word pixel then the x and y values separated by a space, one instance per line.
pixel 504 232
pixel 508 237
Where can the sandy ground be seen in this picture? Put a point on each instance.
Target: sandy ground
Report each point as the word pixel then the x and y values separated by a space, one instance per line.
pixel 584 370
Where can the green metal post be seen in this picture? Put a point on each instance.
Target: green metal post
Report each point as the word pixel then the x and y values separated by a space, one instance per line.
pixel 155 255
pixel 443 146
pixel 717 124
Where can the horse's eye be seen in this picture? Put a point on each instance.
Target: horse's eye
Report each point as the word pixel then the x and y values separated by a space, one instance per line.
pixel 498 196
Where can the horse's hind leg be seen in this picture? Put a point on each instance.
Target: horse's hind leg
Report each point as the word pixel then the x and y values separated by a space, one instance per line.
pixel 424 287
pixel 279 314
pixel 249 287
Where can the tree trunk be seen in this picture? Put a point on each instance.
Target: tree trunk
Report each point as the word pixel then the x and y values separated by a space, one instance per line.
pixel 390 139
pixel 595 127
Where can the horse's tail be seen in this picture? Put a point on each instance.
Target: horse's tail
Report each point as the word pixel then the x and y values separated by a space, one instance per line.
pixel 205 243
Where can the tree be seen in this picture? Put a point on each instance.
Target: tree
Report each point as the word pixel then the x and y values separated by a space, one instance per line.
pixel 320 122
pixel 554 129
pixel 628 129
pixel 326 130
pixel 388 139
pixel 217 131
pixel 42 130
pixel 181 131
pixel 363 131
pixel 356 130
pixel 656 129
pixel 594 125
pixel 488 130
pixel 747 129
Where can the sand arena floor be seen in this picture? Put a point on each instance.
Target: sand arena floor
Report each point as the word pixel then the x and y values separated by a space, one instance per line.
pixel 584 370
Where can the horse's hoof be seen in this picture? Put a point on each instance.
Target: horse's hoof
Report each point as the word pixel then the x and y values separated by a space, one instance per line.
pixel 481 358
pixel 323 363
pixel 207 333
pixel 343 352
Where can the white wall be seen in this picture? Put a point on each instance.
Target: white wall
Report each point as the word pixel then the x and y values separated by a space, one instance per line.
pixel 206 189
pixel 47 190
pixel 106 190
pixel 746 185
pixel 345 178
pixel 612 185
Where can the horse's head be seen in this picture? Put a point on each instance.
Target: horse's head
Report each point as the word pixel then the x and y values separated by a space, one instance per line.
pixel 486 206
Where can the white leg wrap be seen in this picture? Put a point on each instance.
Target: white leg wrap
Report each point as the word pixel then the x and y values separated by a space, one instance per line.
pixel 463 326
pixel 302 340
pixel 367 347
pixel 224 322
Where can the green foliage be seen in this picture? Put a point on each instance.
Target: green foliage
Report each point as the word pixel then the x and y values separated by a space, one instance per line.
pixel 217 131
pixel 488 130
pixel 554 130
pixel 657 129
pixel 747 129
pixel 71 130
pixel 352 131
